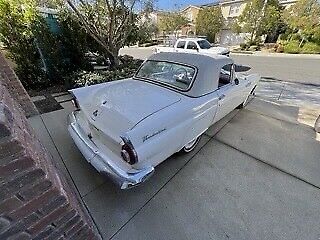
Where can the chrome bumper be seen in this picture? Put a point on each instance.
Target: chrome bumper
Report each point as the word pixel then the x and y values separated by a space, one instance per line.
pixel 102 163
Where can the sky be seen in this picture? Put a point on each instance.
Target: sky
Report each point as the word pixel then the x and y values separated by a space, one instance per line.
pixel 178 4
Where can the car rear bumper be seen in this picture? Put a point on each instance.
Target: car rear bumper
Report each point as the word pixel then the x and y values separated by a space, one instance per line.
pixel 103 163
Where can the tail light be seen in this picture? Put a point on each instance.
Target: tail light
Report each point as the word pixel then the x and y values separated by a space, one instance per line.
pixel 128 153
pixel 75 103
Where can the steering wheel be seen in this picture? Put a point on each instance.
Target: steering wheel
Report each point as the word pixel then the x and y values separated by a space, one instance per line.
pixel 181 75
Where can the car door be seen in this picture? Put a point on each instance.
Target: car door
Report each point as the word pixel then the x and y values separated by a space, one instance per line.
pixel 180 46
pixel 229 93
pixel 191 47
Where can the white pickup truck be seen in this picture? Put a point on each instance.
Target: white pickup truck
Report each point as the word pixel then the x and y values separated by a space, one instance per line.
pixel 193 45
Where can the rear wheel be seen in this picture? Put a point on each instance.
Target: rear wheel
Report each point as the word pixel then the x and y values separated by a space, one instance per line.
pixel 191 145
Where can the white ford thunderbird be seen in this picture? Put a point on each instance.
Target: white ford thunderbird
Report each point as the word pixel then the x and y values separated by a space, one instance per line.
pixel 125 128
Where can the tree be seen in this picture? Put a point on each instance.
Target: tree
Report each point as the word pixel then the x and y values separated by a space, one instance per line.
pixel 19 23
pixel 304 18
pixel 172 22
pixel 109 22
pixel 146 26
pixel 142 32
pixel 250 17
pixel 209 22
pixel 42 57
pixel 273 23
pixel 260 17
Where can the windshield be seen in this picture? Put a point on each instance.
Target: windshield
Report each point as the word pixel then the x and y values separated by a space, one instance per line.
pixel 204 44
pixel 173 74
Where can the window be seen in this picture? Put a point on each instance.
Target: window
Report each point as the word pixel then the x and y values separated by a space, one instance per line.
pixel 190 16
pixel 234 9
pixel 225 76
pixel 167 73
pixel 204 44
pixel 181 44
pixel 192 45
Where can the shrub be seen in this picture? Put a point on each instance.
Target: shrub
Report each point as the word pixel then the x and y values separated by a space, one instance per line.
pixel 271 46
pixel 244 46
pixel 292 47
pixel 127 69
pixel 254 48
pixel 43 57
pixel 295 37
pixel 255 42
pixel 18 27
pixel 279 49
pixel 86 78
pixel 311 48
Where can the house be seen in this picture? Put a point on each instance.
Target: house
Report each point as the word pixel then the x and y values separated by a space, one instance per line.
pixel 287 3
pixel 231 10
pixel 191 13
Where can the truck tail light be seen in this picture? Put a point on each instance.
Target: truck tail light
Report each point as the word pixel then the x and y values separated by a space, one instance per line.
pixel 128 153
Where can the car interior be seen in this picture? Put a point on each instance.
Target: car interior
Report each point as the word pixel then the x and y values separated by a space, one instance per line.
pixel 225 75
pixel 169 73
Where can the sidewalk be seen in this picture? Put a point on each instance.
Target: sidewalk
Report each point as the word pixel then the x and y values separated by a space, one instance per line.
pixel 267 54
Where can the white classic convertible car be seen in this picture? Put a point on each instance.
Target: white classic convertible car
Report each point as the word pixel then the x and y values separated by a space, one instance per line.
pixel 127 127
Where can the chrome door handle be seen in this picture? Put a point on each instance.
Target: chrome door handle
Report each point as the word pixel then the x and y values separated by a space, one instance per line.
pixel 222 97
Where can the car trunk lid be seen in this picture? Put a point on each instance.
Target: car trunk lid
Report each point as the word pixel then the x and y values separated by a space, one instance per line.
pixel 117 107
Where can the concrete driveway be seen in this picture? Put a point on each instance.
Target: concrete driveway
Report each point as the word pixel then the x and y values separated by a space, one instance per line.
pixel 254 175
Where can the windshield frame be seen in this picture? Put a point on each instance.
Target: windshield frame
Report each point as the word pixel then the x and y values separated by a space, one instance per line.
pixel 204 40
pixel 164 84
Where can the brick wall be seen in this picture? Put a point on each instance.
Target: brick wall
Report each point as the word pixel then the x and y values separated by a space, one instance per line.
pixel 35 200
pixel 14 86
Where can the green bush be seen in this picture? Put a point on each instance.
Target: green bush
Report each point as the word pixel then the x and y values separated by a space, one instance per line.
pixel 254 48
pixel 43 57
pixel 292 47
pixel 308 47
pixel 311 48
pixel 244 46
pixel 127 69
pixel 295 37
pixel 87 78
pixel 280 48
pixel 18 27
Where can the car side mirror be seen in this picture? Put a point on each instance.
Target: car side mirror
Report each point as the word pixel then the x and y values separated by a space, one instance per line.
pixel 236 81
pixel 197 49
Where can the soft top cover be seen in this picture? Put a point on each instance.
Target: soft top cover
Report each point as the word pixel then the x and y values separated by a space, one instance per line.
pixel 208 69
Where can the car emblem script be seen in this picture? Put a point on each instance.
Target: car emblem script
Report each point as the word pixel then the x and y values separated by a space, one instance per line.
pixel 146 137
pixel 95 113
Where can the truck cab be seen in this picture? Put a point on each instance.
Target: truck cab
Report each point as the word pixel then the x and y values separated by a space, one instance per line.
pixel 192 45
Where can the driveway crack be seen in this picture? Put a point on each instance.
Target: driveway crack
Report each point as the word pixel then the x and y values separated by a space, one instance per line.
pixel 282 89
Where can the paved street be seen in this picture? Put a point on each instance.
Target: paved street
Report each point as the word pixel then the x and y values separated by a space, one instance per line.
pixel 292 68
pixel 254 175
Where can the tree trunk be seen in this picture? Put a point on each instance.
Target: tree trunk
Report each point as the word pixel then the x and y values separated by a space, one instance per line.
pixel 113 57
pixel 251 36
